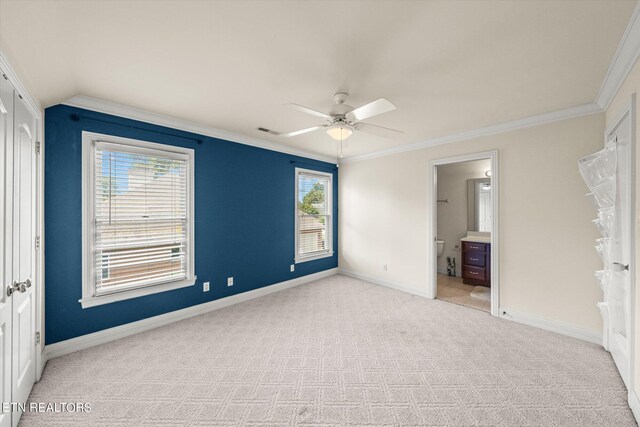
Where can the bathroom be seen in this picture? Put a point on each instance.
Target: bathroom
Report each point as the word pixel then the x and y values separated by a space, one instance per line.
pixel 464 222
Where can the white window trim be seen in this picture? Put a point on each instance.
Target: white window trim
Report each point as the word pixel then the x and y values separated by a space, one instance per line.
pixel 89 297
pixel 329 251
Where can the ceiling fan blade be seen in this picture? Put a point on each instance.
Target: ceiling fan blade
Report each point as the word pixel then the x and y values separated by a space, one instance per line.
pixel 309 111
pixel 378 130
pixel 300 132
pixel 371 109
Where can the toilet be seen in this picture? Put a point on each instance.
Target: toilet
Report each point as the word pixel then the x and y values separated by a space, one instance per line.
pixel 440 247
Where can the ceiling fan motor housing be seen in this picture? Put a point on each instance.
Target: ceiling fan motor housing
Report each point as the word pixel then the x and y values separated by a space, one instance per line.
pixel 340 109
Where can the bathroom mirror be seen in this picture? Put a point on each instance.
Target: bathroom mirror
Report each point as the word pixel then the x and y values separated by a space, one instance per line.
pixel 479 206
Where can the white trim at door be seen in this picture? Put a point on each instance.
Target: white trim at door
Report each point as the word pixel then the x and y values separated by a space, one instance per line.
pixel 34 107
pixel 432 231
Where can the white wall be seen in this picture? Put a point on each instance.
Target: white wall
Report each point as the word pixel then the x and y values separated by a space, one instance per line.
pixel 452 216
pixel 546 234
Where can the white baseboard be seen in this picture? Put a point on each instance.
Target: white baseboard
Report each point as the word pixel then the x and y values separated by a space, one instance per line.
pixel 85 341
pixel 634 404
pixel 526 319
pixel 381 282
pixel 552 326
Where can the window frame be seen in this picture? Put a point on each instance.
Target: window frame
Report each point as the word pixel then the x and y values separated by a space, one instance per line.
pixel 89 141
pixel 300 258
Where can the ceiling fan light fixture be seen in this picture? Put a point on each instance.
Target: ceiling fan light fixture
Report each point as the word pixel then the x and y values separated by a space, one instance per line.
pixel 340 132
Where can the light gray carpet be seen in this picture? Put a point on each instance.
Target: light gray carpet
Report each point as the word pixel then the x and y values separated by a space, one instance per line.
pixel 338 351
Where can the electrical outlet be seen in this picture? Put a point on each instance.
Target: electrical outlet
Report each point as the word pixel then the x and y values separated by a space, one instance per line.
pixel 229 281
pixel 384 267
pixel 205 287
pixel 293 267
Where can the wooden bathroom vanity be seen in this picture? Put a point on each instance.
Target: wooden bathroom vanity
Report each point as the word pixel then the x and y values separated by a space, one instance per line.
pixel 476 263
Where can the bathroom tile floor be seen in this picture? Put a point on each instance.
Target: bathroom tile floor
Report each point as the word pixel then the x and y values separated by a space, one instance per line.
pixel 451 289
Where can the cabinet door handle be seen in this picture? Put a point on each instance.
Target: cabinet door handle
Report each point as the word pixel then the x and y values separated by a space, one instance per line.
pixel 475 259
pixel 473 272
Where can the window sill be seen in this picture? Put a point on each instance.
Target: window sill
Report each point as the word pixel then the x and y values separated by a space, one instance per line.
pixel 313 257
pixel 135 293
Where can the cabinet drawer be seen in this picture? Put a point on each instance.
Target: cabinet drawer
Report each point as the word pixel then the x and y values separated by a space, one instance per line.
pixel 477 259
pixel 476 273
pixel 473 246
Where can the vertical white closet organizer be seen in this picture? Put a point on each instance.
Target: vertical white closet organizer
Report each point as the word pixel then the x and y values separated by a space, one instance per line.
pixel 598 171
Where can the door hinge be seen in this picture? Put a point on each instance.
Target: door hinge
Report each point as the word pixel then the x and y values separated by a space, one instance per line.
pixel 37 147
pixel 37 338
pixel 37 242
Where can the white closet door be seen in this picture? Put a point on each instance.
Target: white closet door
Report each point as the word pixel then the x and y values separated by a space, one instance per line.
pixel 23 322
pixel 619 298
pixel 6 231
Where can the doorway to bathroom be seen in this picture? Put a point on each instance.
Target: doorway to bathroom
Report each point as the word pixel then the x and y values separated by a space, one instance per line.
pixel 463 236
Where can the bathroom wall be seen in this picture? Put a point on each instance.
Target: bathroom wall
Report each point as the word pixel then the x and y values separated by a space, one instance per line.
pixel 546 235
pixel 452 216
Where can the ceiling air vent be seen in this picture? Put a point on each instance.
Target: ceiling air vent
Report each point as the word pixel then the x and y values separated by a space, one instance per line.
pixel 265 130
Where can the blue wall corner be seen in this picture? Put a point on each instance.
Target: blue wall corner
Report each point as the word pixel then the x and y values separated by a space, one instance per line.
pixel 244 221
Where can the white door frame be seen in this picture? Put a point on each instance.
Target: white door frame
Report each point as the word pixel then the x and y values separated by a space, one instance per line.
pixel 36 109
pixel 432 229
pixel 629 110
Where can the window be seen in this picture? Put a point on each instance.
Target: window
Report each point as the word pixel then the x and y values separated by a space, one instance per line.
pixel 137 218
pixel 314 226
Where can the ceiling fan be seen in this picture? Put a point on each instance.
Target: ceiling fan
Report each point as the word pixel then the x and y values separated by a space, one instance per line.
pixel 343 119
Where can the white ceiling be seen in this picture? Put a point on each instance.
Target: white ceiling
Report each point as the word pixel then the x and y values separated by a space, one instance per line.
pixel 448 66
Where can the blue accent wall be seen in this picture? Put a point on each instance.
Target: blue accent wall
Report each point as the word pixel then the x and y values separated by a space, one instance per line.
pixel 244 221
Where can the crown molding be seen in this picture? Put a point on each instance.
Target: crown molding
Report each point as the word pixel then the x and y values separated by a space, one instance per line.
pixel 623 61
pixel 12 76
pixel 120 110
pixel 539 119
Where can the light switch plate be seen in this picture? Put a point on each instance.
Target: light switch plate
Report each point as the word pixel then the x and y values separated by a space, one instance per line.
pixel 205 287
pixel 229 281
pixel 293 267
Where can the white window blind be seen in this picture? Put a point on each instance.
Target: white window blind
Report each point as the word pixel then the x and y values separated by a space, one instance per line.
pixel 313 215
pixel 141 217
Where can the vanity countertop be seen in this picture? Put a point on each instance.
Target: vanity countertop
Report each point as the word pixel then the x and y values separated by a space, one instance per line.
pixel 476 239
